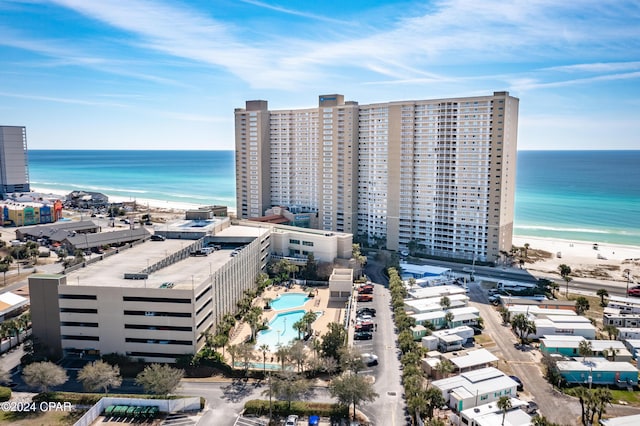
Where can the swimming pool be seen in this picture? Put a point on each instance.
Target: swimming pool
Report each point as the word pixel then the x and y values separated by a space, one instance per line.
pixel 281 331
pixel 289 300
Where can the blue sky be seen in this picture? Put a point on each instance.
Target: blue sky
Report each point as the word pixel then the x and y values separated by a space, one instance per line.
pixel 151 74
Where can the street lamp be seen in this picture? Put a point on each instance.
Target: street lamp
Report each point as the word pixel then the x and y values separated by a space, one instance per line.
pixel 627 275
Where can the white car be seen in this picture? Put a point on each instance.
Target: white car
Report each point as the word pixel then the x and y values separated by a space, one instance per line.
pixel 292 420
pixel 370 359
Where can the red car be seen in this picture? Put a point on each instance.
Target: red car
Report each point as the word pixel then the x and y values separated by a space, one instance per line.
pixel 365 298
pixel 634 291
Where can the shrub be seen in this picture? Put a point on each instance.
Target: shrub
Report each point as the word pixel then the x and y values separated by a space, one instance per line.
pixel 5 393
pixel 301 408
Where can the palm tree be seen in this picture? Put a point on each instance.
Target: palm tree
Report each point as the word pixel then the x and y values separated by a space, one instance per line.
pixel 585 349
pixel 448 319
pixel 602 293
pixel 233 350
pixel 582 305
pixel 504 404
pixel 264 348
pixel 565 271
pixel 554 286
pixel 526 249
pixel 444 368
pixel 602 397
pixel 309 318
pixel 611 330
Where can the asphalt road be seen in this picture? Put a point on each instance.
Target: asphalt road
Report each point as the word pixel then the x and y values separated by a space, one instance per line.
pixel 525 363
pixel 388 409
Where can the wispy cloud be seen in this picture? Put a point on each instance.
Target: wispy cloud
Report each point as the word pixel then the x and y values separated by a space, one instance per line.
pixel 62 100
pixel 293 12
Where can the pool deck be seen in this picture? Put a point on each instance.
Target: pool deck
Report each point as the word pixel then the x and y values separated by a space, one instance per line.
pixel 333 312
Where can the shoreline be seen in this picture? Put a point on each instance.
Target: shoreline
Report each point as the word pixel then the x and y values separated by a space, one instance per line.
pixel 175 206
pixel 607 263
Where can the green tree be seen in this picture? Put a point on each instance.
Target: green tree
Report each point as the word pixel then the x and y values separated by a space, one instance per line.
pixel 565 271
pixel 99 375
pixel 585 349
pixel 444 368
pixel 351 360
pixel 434 399
pixel 159 379
pixel 602 293
pixel 4 268
pixel 522 327
pixel 445 303
pixel 584 396
pixel 311 268
pixel 333 340
pixel 602 397
pixel 526 250
pixel 352 389
pixel 612 331
pixel 448 319
pixel 505 314
pixel 308 319
pixel 246 355
pixel 288 386
pixel 283 355
pixel 554 286
pixel 254 318
pixel 504 404
pixel 582 305
pixel 43 375
pixel 220 341
pixel 264 349
pixel 298 354
pixel 233 350
pixel 300 327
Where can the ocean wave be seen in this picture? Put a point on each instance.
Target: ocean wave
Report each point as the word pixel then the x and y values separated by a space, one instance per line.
pixel 582 230
pixel 60 185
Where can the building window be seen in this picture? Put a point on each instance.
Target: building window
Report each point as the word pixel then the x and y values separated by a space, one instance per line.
pixel 72 337
pixel 294 241
pixel 154 299
pixel 307 243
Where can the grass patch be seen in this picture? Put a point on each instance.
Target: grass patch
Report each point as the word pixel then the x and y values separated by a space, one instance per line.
pixel 39 418
pixel 485 340
pixel 630 397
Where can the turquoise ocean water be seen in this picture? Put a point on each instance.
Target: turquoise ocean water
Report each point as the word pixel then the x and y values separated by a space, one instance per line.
pixel 573 195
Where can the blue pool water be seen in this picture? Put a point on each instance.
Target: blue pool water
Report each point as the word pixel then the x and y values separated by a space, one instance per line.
pixel 281 331
pixel 289 300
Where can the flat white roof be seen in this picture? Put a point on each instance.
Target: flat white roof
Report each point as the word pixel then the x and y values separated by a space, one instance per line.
pixel 599 345
pixel 468 312
pixel 184 274
pixel 538 311
pixel 490 408
pixel 568 319
pixel 437 291
pixel 477 357
pixel 482 381
pixel 423 269
pixel 595 364
pixel 574 325
pixel 633 420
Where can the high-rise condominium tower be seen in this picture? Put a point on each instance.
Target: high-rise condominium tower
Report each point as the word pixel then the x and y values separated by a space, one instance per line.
pixel 14 171
pixel 434 175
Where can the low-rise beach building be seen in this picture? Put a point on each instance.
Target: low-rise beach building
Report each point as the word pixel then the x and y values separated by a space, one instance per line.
pixel 16 213
pixel 462 361
pixel 632 420
pixel 554 307
pixel 437 291
pixel 633 345
pixel 614 350
pixel 461 316
pixel 598 371
pixel 626 333
pixel 432 304
pixel 477 387
pixel 534 312
pixel 617 318
pixel 490 415
pixel 627 305
pixel 566 325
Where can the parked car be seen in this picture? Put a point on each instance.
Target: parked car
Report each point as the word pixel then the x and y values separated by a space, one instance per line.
pixel 519 382
pixel 365 290
pixel 370 359
pixel 292 420
pixel 368 311
pixel 530 408
pixel 365 298
pixel 368 326
pixel 634 291
pixel 363 335
pixel 155 237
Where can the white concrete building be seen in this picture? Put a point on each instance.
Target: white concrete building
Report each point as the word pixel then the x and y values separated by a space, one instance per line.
pixel 154 300
pixel 627 305
pixel 356 169
pixel 477 387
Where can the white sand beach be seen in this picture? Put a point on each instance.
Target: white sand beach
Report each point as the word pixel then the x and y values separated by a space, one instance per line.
pixel 607 263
